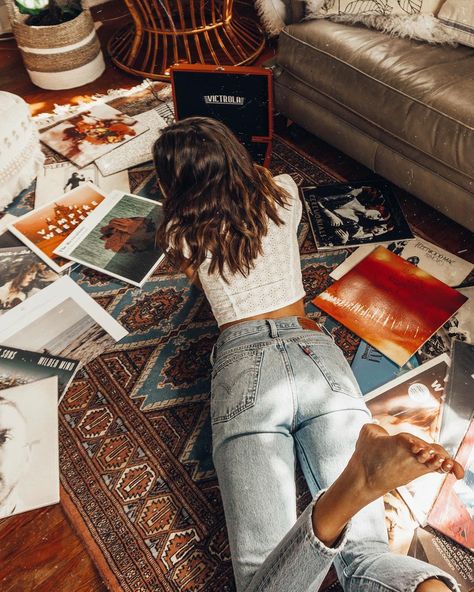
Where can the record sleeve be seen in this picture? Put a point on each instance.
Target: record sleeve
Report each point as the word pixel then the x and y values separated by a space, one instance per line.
pixel 391 304
pixel 45 228
pixel 453 511
pixel 119 238
pixel 349 215
pixel 459 403
pixel 441 264
pixel 413 403
pixel 91 133
pixel 30 453
pixel 18 366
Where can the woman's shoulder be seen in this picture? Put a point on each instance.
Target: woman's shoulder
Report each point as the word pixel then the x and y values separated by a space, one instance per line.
pixel 286 182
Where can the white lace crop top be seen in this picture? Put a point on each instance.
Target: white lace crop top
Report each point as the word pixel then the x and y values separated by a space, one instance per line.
pixel 275 279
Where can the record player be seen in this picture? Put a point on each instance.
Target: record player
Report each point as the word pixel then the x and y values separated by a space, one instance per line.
pixel 240 97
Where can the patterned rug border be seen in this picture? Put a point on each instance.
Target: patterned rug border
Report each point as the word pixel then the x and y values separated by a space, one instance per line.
pixel 78 525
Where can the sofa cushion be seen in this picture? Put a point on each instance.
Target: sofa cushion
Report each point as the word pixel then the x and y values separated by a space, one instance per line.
pixel 458 17
pixel 421 95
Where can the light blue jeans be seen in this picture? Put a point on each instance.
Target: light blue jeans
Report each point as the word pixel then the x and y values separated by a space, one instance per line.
pixel 281 392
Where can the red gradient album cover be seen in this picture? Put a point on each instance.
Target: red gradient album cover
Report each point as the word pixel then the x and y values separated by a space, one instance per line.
pixel 453 511
pixel 391 304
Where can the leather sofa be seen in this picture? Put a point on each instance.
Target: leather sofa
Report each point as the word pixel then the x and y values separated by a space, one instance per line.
pixel 405 109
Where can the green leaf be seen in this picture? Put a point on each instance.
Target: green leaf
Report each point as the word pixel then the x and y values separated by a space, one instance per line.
pixel 31 6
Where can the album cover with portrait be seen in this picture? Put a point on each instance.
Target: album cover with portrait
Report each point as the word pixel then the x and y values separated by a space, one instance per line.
pixel 118 238
pixel 453 511
pixel 45 228
pixel 91 133
pixel 349 215
pixel 391 304
pixel 29 471
pixel 22 273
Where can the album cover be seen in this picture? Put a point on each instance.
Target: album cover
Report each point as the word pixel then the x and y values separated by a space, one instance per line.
pixel 453 511
pixel 413 403
pixel 46 228
pixel 60 177
pixel 135 153
pixel 63 321
pixel 391 304
pixel 348 215
pixel 118 238
pixel 29 472
pixel 436 549
pixel 372 369
pixel 19 366
pixel 460 326
pixel 459 403
pixel 91 133
pixel 22 273
pixel 441 264
pixel 5 221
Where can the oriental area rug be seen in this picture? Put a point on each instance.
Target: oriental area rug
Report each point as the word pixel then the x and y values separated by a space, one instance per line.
pixel 137 478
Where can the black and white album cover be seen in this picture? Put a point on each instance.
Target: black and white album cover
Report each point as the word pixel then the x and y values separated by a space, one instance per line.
pixel 349 215
pixel 29 471
pixel 19 366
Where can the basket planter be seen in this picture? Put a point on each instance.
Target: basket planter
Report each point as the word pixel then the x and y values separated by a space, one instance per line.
pixel 59 56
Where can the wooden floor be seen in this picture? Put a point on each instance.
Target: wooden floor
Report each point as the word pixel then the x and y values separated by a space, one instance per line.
pixel 38 550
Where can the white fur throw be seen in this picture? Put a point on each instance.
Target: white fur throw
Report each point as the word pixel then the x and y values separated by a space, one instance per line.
pixel 272 13
pixel 404 18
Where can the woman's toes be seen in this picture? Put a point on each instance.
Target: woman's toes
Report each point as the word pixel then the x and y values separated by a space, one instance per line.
pixel 457 470
pixel 446 466
pixel 435 462
pixel 425 455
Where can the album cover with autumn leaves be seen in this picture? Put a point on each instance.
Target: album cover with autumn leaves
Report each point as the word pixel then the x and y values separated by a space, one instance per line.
pixel 390 303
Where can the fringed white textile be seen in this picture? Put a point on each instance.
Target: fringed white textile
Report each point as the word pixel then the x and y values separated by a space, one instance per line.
pixel 272 14
pixel 21 157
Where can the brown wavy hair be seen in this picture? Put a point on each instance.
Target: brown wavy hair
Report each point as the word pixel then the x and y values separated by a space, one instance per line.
pixel 217 201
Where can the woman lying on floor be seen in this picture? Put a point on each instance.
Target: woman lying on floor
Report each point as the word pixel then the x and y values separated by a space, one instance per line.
pixel 280 387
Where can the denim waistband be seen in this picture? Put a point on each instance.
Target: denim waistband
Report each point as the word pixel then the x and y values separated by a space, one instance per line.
pixel 263 328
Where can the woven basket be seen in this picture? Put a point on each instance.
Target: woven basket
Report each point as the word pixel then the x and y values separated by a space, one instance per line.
pixel 59 56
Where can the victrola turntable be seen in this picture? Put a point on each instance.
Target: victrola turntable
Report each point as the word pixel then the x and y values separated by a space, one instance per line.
pixel 240 97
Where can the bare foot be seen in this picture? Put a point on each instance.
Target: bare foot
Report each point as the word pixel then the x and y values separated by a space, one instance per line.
pixel 379 464
pixel 391 461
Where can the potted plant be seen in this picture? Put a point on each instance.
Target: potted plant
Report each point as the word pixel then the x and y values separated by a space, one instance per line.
pixel 58 42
